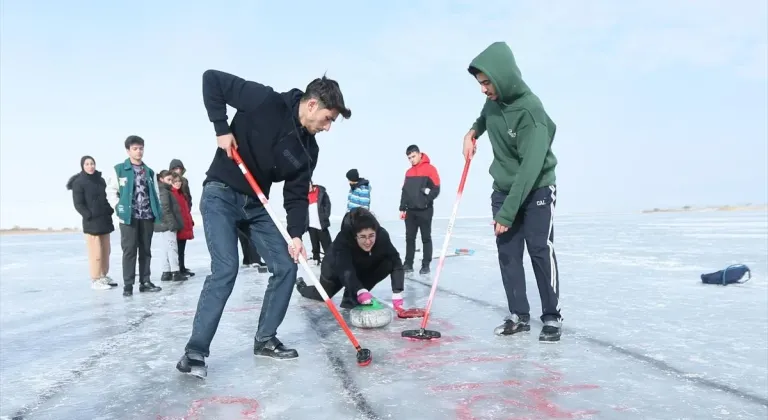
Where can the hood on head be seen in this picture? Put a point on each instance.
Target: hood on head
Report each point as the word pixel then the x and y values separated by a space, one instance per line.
pixel 177 163
pixel 424 158
pixel 498 63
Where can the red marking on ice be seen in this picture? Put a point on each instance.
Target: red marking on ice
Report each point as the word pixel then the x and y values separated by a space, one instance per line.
pixel 534 399
pixel 250 410
pixel 466 360
pixel 192 311
pixel 477 385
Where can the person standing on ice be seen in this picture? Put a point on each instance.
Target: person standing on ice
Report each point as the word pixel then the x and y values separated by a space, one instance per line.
pixel 523 199
pixel 132 192
pixel 90 200
pixel 420 189
pixel 362 255
pixel 359 191
pixel 274 134
pixel 177 167
pixel 167 228
pixel 319 220
pixel 187 233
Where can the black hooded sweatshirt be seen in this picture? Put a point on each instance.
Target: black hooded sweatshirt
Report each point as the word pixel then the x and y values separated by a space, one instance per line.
pixel 177 163
pixel 347 260
pixel 90 199
pixel 275 147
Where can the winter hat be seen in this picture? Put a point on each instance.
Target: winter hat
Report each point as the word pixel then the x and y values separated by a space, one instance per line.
pixel 352 175
pixel 83 159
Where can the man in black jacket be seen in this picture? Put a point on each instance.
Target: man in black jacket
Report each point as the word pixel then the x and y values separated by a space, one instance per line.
pixel 319 220
pixel 362 255
pixel 274 134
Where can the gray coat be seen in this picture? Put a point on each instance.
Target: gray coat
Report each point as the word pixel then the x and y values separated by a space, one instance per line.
pixel 172 219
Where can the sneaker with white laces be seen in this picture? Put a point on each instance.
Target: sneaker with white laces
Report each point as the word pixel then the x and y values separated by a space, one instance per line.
pixel 100 284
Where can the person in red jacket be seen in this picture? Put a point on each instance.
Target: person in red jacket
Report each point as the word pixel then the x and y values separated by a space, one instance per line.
pixel 187 233
pixel 420 188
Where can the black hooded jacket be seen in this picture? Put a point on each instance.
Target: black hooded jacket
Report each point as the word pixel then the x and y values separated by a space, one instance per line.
pixel 177 163
pixel 90 199
pixel 347 260
pixel 275 147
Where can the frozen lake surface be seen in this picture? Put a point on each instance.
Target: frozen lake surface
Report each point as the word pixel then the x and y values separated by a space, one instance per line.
pixel 642 337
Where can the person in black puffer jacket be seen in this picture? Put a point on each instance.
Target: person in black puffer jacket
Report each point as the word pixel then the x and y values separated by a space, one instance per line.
pixel 90 199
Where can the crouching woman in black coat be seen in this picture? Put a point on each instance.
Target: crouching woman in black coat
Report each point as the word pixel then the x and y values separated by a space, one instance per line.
pixel 361 256
pixel 90 200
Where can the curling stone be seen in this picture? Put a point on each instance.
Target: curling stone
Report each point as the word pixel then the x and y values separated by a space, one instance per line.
pixel 374 315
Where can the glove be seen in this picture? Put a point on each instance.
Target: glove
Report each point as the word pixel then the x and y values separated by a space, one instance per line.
pixel 397 301
pixel 364 297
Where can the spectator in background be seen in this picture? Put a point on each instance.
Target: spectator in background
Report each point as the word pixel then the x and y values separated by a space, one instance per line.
pixel 251 257
pixel 420 189
pixel 359 191
pixel 319 220
pixel 187 233
pixel 178 167
pixel 90 200
pixel 167 226
pixel 132 192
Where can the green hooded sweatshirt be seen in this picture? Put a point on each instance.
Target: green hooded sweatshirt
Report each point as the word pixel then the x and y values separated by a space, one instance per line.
pixel 520 131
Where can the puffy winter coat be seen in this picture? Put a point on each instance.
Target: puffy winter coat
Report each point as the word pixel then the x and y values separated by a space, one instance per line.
pixel 90 199
pixel 171 218
pixel 187 232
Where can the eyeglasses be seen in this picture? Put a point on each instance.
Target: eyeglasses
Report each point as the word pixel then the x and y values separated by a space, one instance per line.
pixel 364 238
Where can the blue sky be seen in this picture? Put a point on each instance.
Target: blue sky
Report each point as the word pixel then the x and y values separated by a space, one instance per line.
pixel 657 104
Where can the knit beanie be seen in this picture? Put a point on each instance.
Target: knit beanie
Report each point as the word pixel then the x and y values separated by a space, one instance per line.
pixel 352 175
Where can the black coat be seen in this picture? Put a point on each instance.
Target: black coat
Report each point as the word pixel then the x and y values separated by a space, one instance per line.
pixel 90 199
pixel 324 207
pixel 347 260
pixel 275 147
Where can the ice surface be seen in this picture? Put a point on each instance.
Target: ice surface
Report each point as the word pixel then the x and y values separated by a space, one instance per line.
pixel 642 337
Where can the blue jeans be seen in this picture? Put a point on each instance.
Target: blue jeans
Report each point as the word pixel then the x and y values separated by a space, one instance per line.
pixel 222 208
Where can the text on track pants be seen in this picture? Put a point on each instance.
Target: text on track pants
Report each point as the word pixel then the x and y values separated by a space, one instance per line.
pixel 533 227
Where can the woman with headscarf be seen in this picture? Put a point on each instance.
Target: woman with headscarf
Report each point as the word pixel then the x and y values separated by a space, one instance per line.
pixel 90 200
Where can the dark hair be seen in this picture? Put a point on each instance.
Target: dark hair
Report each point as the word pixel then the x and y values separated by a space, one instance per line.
pixel 174 175
pixel 131 140
pixel 162 174
pixel 474 71
pixel 412 148
pixel 328 94
pixel 360 218
pixel 84 158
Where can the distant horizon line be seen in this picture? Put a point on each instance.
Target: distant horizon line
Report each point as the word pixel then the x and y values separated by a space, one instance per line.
pixel 680 209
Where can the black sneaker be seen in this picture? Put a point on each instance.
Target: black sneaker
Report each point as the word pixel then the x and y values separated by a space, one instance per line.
pixel 408 268
pixel 273 348
pixel 193 364
pixel 166 276
pixel 513 325
pixel 148 286
pixel 128 291
pixel 187 273
pixel 177 276
pixel 300 284
pixel 424 270
pixel 550 332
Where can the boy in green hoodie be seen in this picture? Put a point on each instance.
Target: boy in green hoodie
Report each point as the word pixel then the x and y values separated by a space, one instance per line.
pixel 523 198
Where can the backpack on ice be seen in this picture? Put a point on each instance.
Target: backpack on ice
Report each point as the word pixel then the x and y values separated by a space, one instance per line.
pixel 732 274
